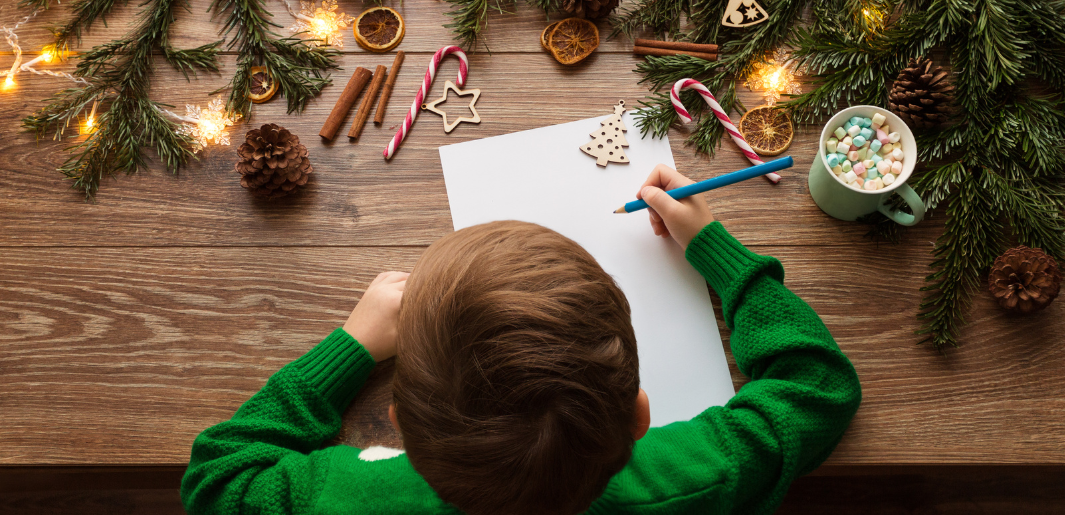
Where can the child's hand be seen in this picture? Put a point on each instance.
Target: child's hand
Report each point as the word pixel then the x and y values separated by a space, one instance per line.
pixel 682 219
pixel 373 321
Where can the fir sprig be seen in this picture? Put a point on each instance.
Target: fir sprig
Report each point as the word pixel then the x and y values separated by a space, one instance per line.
pixel 299 69
pixel 129 120
pixel 1000 168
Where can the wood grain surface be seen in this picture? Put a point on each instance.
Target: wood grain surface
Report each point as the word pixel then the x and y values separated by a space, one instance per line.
pixel 129 325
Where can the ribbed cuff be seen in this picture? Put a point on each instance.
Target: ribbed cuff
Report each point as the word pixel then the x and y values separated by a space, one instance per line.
pixel 726 264
pixel 337 367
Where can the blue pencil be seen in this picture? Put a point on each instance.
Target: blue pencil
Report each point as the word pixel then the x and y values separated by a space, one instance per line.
pixel 717 182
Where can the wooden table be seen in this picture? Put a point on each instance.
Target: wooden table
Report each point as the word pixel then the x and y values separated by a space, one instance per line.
pixel 129 325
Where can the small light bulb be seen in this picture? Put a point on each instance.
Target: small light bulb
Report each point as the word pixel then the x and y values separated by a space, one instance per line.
pixel 47 55
pixel 9 82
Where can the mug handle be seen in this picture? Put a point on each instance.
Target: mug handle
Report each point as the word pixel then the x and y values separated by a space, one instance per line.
pixel 912 199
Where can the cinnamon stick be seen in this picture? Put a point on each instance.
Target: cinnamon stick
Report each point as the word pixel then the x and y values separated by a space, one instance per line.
pixel 386 93
pixel 368 99
pixel 661 52
pixel 677 45
pixel 347 98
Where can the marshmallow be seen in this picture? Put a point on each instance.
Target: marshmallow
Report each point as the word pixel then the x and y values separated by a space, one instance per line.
pixel 875 145
pixel 896 167
pixel 878 119
pixel 868 164
pixel 858 141
pixel 869 185
pixel 882 136
pixel 850 177
pixel 867 134
pixel 858 168
pixel 846 166
pixel 854 130
pixel 865 122
pixel 879 183
pixel 859 182
pixel 883 167
pixel 875 158
pixel 847 141
pixel 894 137
pixel 889 178
pixel 831 144
pixel 843 148
pixel 897 154
pixel 837 169
pixel 833 160
pixel 855 120
pixel 852 155
pixel 840 132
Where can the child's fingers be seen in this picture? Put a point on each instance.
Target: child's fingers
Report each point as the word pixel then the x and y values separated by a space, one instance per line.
pixel 665 178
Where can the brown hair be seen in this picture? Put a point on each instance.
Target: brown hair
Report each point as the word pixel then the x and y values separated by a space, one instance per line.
pixel 517 375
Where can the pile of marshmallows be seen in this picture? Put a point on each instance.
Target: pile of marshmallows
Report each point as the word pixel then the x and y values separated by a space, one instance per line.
pixel 862 161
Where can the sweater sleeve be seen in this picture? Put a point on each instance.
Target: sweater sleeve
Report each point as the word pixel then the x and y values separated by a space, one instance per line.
pixel 741 458
pixel 263 460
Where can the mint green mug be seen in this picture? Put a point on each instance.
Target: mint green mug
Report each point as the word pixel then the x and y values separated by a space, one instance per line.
pixel 841 201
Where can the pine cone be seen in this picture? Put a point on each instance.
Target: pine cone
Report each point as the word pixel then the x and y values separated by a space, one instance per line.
pixel 272 163
pixel 1024 280
pixel 590 9
pixel 922 96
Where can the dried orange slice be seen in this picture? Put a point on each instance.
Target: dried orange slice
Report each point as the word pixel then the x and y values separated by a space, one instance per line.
pixel 767 129
pixel 546 34
pixel 263 86
pixel 379 29
pixel 572 40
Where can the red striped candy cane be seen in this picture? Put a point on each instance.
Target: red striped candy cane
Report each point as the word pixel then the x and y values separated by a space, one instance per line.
pixel 674 96
pixel 464 68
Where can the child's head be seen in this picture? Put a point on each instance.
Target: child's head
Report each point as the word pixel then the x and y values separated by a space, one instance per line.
pixel 517 383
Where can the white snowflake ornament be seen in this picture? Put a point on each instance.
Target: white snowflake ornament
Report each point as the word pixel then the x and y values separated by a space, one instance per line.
pixel 207 125
pixel 321 23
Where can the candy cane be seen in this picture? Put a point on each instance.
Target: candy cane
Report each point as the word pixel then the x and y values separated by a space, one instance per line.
pixel 464 67
pixel 674 96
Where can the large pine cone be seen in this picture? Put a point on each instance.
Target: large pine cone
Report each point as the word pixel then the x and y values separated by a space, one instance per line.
pixel 922 96
pixel 1024 280
pixel 272 163
pixel 590 9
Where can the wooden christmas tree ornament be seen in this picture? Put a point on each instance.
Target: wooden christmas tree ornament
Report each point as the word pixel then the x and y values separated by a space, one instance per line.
pixel 608 139
pixel 450 86
pixel 743 13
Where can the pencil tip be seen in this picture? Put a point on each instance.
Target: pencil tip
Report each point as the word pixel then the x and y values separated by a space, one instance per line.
pixel 620 210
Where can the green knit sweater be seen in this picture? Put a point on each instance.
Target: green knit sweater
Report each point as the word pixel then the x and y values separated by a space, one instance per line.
pixel 739 458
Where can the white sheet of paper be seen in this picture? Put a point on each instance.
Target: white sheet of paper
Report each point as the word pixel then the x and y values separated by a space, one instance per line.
pixel 542 176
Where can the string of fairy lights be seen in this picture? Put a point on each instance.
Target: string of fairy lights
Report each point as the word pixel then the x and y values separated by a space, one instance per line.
pixel 206 125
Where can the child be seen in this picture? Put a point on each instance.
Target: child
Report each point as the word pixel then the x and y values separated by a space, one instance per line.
pixel 516 390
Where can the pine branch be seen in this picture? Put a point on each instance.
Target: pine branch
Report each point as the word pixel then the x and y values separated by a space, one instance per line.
pixel 86 12
pixel 297 67
pixel 970 243
pixel 662 17
pixel 129 120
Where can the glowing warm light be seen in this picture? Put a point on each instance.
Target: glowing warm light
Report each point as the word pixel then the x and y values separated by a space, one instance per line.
pixel 207 125
pixel 9 82
pixel 775 77
pixel 873 18
pixel 323 23
pixel 47 55
pixel 90 123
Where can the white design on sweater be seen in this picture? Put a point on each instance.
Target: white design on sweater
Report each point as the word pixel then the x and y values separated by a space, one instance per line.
pixel 378 452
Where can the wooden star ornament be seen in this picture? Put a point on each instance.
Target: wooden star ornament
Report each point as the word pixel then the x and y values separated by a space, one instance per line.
pixel 450 86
